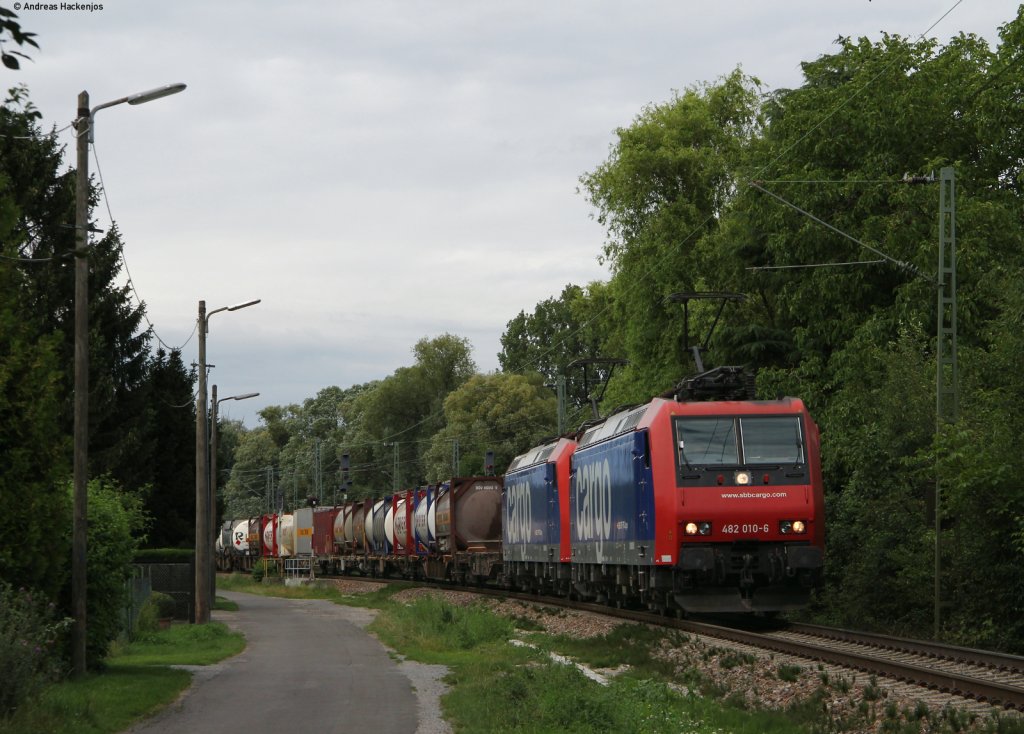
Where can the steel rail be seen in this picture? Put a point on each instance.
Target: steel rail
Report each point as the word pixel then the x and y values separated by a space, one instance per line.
pixel 985 658
pixel 960 684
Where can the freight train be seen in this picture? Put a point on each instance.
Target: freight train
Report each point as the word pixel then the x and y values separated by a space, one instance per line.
pixel 679 506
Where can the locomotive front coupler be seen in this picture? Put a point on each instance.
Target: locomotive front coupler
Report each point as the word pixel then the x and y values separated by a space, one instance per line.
pixel 746 574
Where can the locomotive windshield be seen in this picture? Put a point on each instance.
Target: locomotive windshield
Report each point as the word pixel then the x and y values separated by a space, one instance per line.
pixel 772 440
pixel 739 440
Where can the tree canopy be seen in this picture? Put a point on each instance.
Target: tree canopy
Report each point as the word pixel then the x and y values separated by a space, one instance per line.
pixel 819 206
pixel 712 191
pixel 140 416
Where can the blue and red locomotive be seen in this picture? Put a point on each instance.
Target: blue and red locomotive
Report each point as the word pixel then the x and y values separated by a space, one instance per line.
pixel 675 505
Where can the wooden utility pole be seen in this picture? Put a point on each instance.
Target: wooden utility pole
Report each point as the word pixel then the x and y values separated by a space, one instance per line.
pixel 202 581
pixel 81 404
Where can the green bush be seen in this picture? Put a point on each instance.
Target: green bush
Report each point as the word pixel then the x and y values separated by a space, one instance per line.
pixel 30 635
pixel 263 568
pixel 116 523
pixel 164 604
pixel 148 619
pixel 158 606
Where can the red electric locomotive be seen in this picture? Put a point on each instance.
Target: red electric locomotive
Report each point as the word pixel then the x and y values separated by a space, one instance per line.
pixel 678 505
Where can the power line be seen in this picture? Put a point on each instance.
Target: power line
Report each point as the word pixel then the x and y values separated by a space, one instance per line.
pixel 124 261
pixel 909 267
pixel 816 265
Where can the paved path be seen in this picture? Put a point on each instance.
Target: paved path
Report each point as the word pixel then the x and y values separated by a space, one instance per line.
pixel 307 666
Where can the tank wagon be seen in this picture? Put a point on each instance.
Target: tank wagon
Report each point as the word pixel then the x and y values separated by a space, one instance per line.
pixel 450 532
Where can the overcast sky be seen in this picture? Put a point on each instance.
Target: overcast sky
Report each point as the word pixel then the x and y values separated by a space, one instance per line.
pixel 381 171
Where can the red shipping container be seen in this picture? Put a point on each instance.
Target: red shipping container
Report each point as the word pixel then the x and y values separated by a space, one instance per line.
pixel 323 530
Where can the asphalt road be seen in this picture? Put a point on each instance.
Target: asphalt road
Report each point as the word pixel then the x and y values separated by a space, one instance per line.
pixel 307 666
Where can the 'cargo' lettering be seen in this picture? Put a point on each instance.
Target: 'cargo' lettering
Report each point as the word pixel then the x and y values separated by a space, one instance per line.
pixel 594 503
pixel 520 512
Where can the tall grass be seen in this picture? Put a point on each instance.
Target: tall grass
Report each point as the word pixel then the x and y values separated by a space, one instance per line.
pixel 498 688
pixel 431 629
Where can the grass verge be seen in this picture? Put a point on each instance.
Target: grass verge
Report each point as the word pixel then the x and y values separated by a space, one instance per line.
pixel 317 590
pixel 498 688
pixel 99 703
pixel 135 684
pixel 182 644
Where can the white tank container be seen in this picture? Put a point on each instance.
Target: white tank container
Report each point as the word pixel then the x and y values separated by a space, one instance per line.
pixel 339 526
pixel 401 526
pixel 286 535
pixel 240 536
pixel 389 524
pixel 350 529
pixel 378 536
pixel 269 536
pixel 421 523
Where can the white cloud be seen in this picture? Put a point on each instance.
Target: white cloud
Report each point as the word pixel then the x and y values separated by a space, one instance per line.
pixel 382 171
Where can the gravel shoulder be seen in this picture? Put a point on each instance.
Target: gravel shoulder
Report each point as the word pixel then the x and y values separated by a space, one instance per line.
pixel 426 680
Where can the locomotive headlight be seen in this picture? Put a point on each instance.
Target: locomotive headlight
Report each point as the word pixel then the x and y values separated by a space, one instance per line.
pixel 704 528
pixel 799 527
pixel 792 527
pixel 691 528
pixel 785 527
pixel 697 528
pixel 742 477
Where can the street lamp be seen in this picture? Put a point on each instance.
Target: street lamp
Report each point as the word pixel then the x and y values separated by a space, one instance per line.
pixel 212 499
pixel 204 568
pixel 83 125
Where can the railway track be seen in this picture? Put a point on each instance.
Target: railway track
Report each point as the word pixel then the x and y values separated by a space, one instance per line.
pixel 993 678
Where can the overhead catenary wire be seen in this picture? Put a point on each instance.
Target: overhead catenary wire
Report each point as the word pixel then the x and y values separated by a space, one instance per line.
pixel 62 256
pixel 296 468
pixel 752 182
pixel 909 267
pixel 51 134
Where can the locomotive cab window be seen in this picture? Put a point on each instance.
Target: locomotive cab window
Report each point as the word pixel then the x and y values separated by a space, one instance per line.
pixel 772 440
pixel 727 441
pixel 704 441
